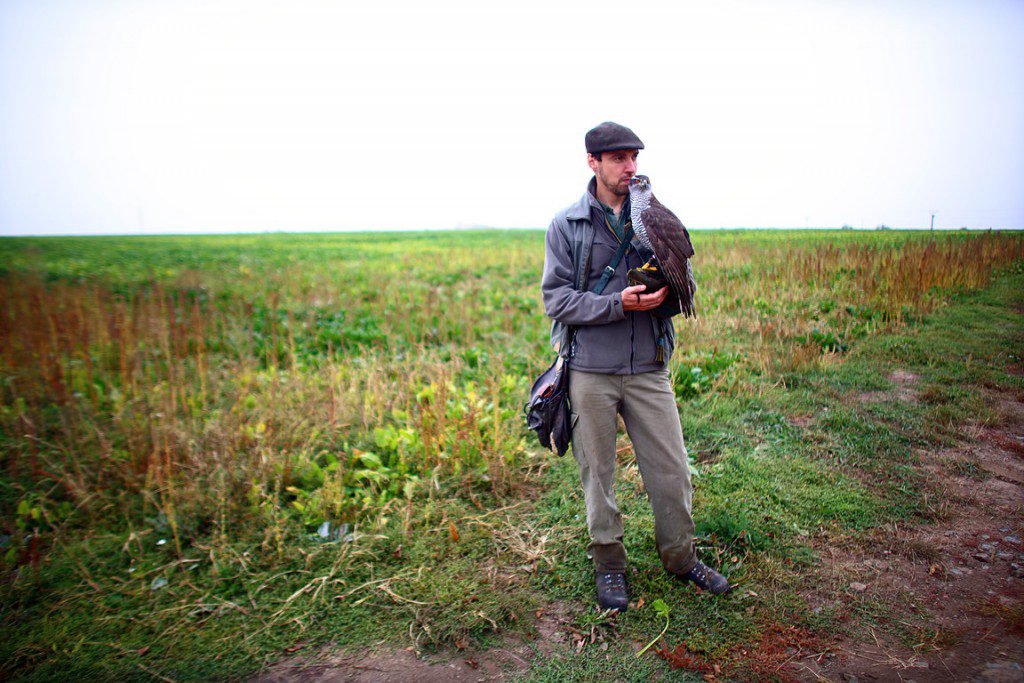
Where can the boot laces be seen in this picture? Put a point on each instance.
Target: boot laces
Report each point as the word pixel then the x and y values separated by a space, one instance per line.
pixel 614 579
pixel 699 574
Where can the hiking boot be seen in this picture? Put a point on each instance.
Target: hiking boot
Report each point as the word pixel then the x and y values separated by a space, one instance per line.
pixel 706 579
pixel 611 591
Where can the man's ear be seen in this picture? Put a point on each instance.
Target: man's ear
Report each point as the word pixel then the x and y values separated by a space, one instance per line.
pixel 592 161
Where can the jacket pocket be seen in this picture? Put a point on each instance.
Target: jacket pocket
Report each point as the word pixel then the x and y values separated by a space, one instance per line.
pixel 600 348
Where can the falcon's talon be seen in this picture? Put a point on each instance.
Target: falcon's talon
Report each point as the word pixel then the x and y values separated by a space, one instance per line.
pixel 652 278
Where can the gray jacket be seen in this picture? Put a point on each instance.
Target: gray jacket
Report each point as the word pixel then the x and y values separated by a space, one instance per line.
pixel 608 339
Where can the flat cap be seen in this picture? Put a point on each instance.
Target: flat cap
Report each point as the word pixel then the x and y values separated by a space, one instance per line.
pixel 609 136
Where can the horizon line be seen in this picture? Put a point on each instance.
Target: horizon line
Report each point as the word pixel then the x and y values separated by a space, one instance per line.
pixel 482 228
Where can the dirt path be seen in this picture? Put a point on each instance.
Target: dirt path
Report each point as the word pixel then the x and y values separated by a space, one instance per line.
pixel 956 587
pixel 504 662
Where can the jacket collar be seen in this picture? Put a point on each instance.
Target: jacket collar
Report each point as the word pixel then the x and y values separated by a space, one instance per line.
pixel 588 201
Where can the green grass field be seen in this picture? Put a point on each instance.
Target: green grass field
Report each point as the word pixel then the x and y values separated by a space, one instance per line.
pixel 216 448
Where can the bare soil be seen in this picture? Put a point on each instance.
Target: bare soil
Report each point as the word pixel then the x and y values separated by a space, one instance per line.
pixel 954 590
pixel 905 390
pixel 503 662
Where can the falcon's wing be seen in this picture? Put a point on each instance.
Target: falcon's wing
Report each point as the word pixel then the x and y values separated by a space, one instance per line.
pixel 673 248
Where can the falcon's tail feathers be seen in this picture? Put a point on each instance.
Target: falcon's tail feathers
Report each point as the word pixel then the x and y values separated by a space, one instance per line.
pixel 680 288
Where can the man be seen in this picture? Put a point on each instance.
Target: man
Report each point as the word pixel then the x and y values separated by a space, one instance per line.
pixel 620 352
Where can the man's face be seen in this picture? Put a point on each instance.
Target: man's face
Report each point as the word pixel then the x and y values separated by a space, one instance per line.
pixel 614 169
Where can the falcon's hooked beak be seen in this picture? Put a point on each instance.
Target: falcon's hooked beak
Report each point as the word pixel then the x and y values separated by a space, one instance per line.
pixel 641 181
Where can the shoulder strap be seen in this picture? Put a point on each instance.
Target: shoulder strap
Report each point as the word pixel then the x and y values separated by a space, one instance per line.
pixel 609 270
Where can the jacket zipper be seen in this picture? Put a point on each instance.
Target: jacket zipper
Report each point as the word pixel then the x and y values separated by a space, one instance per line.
pixel 632 324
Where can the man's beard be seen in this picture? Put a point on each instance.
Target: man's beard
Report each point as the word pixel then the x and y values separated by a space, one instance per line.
pixel 614 188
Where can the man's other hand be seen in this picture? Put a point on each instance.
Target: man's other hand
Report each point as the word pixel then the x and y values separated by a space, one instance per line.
pixel 633 298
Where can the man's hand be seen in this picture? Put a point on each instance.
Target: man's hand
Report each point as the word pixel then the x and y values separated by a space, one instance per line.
pixel 633 298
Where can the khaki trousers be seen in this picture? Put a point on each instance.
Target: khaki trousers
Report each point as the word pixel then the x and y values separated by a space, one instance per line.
pixel 647 404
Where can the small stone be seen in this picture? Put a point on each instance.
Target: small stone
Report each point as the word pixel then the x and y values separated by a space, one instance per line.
pixel 1003 664
pixel 985 537
pixel 1012 539
pixel 1004 556
pixel 980 557
pixel 987 546
pixel 919 664
pixel 1002 671
pixel 858 586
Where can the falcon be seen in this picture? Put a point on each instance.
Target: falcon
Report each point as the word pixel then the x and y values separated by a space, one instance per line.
pixel 662 232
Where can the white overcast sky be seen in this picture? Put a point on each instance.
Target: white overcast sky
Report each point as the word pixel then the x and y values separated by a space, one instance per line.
pixel 176 116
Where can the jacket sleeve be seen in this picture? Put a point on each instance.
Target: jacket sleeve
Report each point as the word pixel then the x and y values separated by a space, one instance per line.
pixel 561 300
